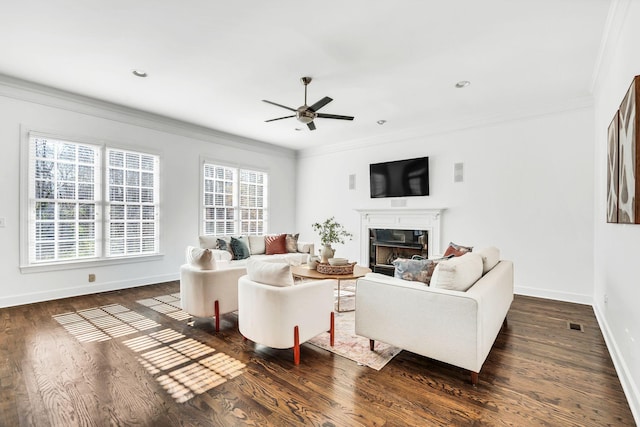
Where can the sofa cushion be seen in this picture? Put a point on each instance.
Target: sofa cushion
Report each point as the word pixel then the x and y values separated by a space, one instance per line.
pixel 490 258
pixel 417 270
pixel 239 248
pixel 220 255
pixel 292 242
pixel 269 273
pixel 457 250
pixel 256 244
pixel 305 247
pixel 208 242
pixel 457 273
pixel 200 258
pixel 275 244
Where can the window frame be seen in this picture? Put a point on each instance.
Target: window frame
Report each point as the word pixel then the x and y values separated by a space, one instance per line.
pixel 236 197
pixel 101 211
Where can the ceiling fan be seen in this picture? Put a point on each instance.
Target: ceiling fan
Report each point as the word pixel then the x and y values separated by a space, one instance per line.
pixel 306 114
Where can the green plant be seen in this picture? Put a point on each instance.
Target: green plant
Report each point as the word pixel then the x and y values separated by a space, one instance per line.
pixel 331 231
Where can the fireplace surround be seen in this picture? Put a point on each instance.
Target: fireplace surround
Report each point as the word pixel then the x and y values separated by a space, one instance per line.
pixel 426 221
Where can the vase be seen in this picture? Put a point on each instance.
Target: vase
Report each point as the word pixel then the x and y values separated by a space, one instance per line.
pixel 326 252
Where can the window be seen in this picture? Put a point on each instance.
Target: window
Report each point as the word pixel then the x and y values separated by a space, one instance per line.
pixel 235 200
pixel 66 206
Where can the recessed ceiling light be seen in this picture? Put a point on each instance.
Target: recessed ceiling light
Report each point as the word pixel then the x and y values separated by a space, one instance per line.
pixel 463 83
pixel 381 122
pixel 139 73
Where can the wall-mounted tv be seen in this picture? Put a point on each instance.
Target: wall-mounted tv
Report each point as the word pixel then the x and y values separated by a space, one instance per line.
pixel 400 178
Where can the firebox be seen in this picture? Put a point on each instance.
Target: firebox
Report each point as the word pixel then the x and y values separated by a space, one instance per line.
pixel 386 245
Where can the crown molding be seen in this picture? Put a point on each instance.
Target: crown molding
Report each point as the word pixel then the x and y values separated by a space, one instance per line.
pixel 23 90
pixel 610 35
pixel 444 127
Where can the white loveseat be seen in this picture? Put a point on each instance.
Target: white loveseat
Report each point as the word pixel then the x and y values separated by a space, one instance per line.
pixel 452 326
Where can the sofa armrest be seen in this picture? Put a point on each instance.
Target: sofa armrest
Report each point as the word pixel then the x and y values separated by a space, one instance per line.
pixel 200 288
pixel 495 291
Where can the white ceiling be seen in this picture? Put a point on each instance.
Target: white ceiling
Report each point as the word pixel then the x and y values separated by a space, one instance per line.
pixel 212 62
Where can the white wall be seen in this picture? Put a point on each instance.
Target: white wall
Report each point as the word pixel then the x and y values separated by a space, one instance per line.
pixel 180 147
pixel 616 245
pixel 528 189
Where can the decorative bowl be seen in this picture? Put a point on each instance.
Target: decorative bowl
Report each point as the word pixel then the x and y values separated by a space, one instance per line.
pixel 338 261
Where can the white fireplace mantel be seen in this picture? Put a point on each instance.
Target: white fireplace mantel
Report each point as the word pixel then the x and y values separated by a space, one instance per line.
pixel 401 219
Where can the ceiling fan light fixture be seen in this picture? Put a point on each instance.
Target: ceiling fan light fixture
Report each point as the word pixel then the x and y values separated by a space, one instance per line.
pixel 305 115
pixel 462 84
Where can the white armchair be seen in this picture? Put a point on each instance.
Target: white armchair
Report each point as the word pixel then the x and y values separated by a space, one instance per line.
pixel 208 288
pixel 284 316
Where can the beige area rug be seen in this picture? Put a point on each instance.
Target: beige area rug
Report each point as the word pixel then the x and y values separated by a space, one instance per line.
pixel 346 342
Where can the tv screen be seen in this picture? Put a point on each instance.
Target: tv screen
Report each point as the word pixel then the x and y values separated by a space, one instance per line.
pixel 400 178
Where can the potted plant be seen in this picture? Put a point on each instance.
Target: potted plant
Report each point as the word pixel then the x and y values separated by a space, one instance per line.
pixel 330 231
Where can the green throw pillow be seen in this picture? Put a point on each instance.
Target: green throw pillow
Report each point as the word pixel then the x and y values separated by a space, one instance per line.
pixel 240 249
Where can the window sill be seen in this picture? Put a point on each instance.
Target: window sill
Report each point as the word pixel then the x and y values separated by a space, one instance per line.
pixel 59 266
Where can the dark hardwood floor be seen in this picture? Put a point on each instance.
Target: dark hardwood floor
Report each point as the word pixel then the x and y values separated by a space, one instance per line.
pixel 540 372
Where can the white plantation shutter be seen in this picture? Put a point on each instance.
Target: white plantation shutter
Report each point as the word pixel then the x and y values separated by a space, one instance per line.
pixel 64 196
pixel 219 200
pixel 65 221
pixel 132 203
pixel 234 201
pixel 253 202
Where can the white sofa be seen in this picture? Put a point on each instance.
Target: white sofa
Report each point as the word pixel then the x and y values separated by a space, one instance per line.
pixel 209 278
pixel 452 326
pixel 257 248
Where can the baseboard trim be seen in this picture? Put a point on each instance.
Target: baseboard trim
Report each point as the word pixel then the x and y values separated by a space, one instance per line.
pixel 629 386
pixel 554 295
pixel 36 297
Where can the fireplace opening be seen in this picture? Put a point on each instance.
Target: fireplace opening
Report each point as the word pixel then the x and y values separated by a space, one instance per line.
pixel 386 245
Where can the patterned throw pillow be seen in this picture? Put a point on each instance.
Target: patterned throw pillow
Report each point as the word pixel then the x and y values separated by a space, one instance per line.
pixel 457 250
pixel 239 248
pixel 416 270
pixel 275 244
pixel 292 242
pixel 222 245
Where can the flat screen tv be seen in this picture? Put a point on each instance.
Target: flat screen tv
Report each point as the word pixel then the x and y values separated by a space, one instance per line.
pixel 400 178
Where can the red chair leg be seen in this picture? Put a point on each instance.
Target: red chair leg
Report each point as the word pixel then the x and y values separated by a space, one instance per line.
pixel 372 343
pixel 296 346
pixel 332 329
pixel 216 310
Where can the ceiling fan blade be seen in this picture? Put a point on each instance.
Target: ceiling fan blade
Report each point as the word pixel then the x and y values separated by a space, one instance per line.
pixel 334 116
pixel 311 126
pixel 318 105
pixel 279 105
pixel 279 118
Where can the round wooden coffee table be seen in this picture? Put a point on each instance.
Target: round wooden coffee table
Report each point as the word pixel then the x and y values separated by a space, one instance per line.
pixel 304 272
